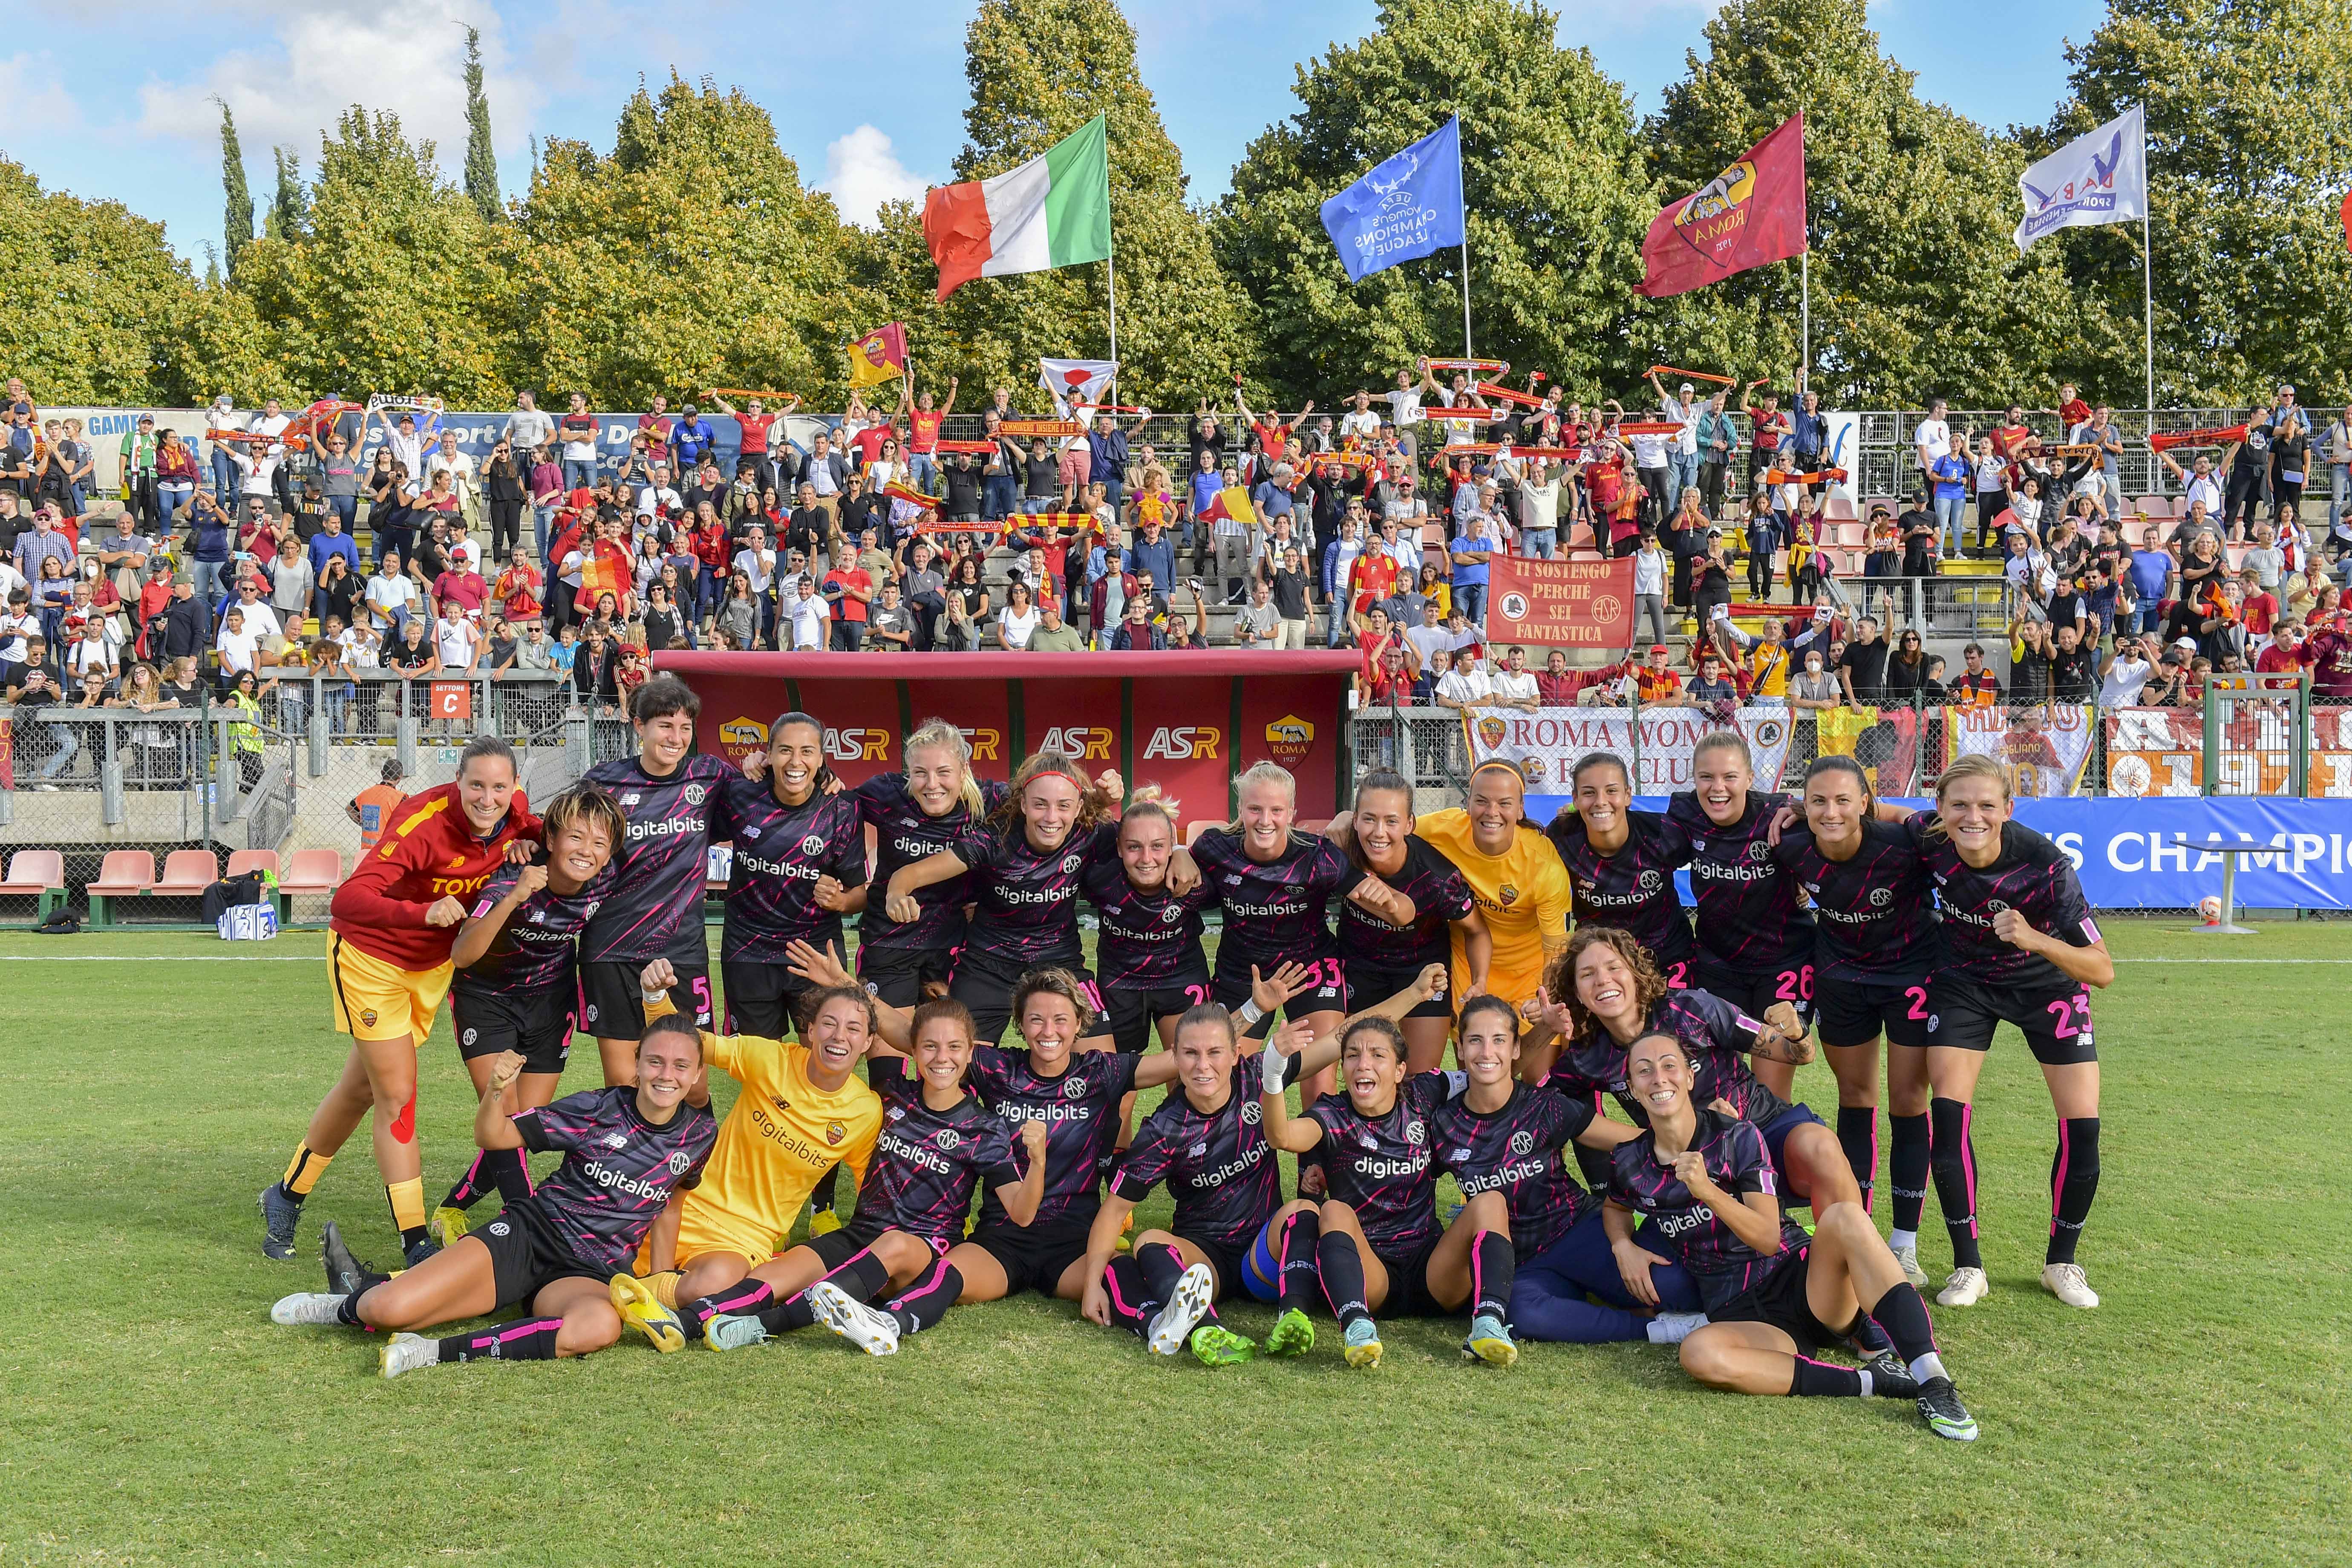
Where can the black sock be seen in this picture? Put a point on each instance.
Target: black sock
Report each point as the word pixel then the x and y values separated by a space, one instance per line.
pixel 1956 1178
pixel 1904 1318
pixel 2074 1183
pixel 410 1235
pixel 1161 1268
pixel 348 1313
pixel 533 1338
pixel 469 1186
pixel 1866 1338
pixel 746 1295
pixel 1907 1166
pixel 827 1185
pixel 1131 1300
pixel 861 1277
pixel 923 1306
pixel 1491 1263
pixel 1818 1379
pixel 509 1171
pixel 1295 1252
pixel 1857 1134
pixel 1341 1265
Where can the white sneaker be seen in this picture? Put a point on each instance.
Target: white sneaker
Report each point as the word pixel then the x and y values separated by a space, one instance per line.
pixel 1174 1322
pixel 317 1306
pixel 1673 1328
pixel 2065 1282
pixel 1966 1288
pixel 1909 1257
pixel 406 1352
pixel 853 1321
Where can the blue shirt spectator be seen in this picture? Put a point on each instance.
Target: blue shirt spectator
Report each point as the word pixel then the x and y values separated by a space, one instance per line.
pixel 325 547
pixel 1474 542
pixel 1951 477
pixel 690 438
pixel 1206 483
pixel 44 544
pixel 1156 556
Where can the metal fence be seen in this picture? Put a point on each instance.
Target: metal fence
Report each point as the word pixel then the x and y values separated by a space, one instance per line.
pixel 2235 740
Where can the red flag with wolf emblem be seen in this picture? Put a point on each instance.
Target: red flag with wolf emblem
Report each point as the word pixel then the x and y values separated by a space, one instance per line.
pixel 1751 214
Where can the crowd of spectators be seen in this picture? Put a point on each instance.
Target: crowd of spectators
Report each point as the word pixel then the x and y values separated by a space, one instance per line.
pixel 294 569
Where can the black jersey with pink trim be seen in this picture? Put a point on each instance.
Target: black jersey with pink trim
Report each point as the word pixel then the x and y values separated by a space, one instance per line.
pixel 1025 900
pixel 1274 909
pixel 1440 896
pixel 1874 923
pixel 926 1163
pixel 1718 1035
pixel 1749 921
pixel 1381 1167
pixel 780 851
pixel 1631 890
pixel 902 835
pixel 1145 938
pixel 1080 1110
pixel 618 1171
pixel 1517 1150
pixel 1218 1165
pixel 661 863
pixel 537 949
pixel 1737 1160
pixel 2032 876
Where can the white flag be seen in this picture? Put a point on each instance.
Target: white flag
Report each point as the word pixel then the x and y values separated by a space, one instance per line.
pixel 2099 178
pixel 1070 382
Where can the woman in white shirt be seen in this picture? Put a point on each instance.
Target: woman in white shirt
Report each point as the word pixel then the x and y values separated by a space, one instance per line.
pixel 391 594
pixel 886 466
pixel 1650 586
pixel 1018 621
pixel 1992 490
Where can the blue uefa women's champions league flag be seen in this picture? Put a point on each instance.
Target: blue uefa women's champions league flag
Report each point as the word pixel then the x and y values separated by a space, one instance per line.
pixel 1410 206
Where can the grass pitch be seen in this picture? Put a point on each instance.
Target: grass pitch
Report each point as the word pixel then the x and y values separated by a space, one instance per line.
pixel 152 1414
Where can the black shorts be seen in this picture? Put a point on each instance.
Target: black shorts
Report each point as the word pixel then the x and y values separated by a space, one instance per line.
pixel 2056 1022
pixel 526 1254
pixel 1856 1012
pixel 1755 991
pixel 612 1006
pixel 1133 1012
pixel 1231 1261
pixel 1372 983
pixel 897 975
pixel 1326 992
pixel 1408 1294
pixel 839 1246
pixel 539 1025
pixel 985 982
pixel 1779 1302
pixel 1035 1257
pixel 763 998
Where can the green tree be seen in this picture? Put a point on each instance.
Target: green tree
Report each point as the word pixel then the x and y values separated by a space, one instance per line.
pixel 1916 286
pixel 1038 71
pixel 95 308
pixel 289 207
pixel 2250 148
pixel 237 217
pixel 1555 194
pixel 690 257
pixel 481 158
pixel 393 286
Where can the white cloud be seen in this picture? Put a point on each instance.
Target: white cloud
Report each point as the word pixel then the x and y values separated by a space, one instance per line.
pixel 313 65
pixel 36 97
pixel 861 173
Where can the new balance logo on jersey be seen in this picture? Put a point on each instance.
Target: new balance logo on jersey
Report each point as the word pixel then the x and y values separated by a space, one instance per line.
pixel 616 1141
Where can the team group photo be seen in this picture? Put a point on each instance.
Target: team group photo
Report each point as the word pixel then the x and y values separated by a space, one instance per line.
pixel 1397 780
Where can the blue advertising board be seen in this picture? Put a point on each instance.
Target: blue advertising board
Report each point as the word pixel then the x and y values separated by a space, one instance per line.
pixel 2129 855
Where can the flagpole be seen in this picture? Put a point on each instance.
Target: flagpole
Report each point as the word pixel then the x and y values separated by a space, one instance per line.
pixel 1113 264
pixel 1805 317
pixel 2147 263
pixel 1468 352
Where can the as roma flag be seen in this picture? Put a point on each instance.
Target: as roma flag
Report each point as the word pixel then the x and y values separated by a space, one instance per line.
pixel 878 356
pixel 1751 214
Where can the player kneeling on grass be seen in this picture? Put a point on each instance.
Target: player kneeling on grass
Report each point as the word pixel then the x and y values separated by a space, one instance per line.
pixel 802 1111
pixel 1231 1230
pixel 937 1145
pixel 1705 1184
pixel 625 1149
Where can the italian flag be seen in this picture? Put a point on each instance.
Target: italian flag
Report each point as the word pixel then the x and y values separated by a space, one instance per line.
pixel 1050 211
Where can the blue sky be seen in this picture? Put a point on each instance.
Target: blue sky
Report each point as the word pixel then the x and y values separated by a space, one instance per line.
pixel 109 109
